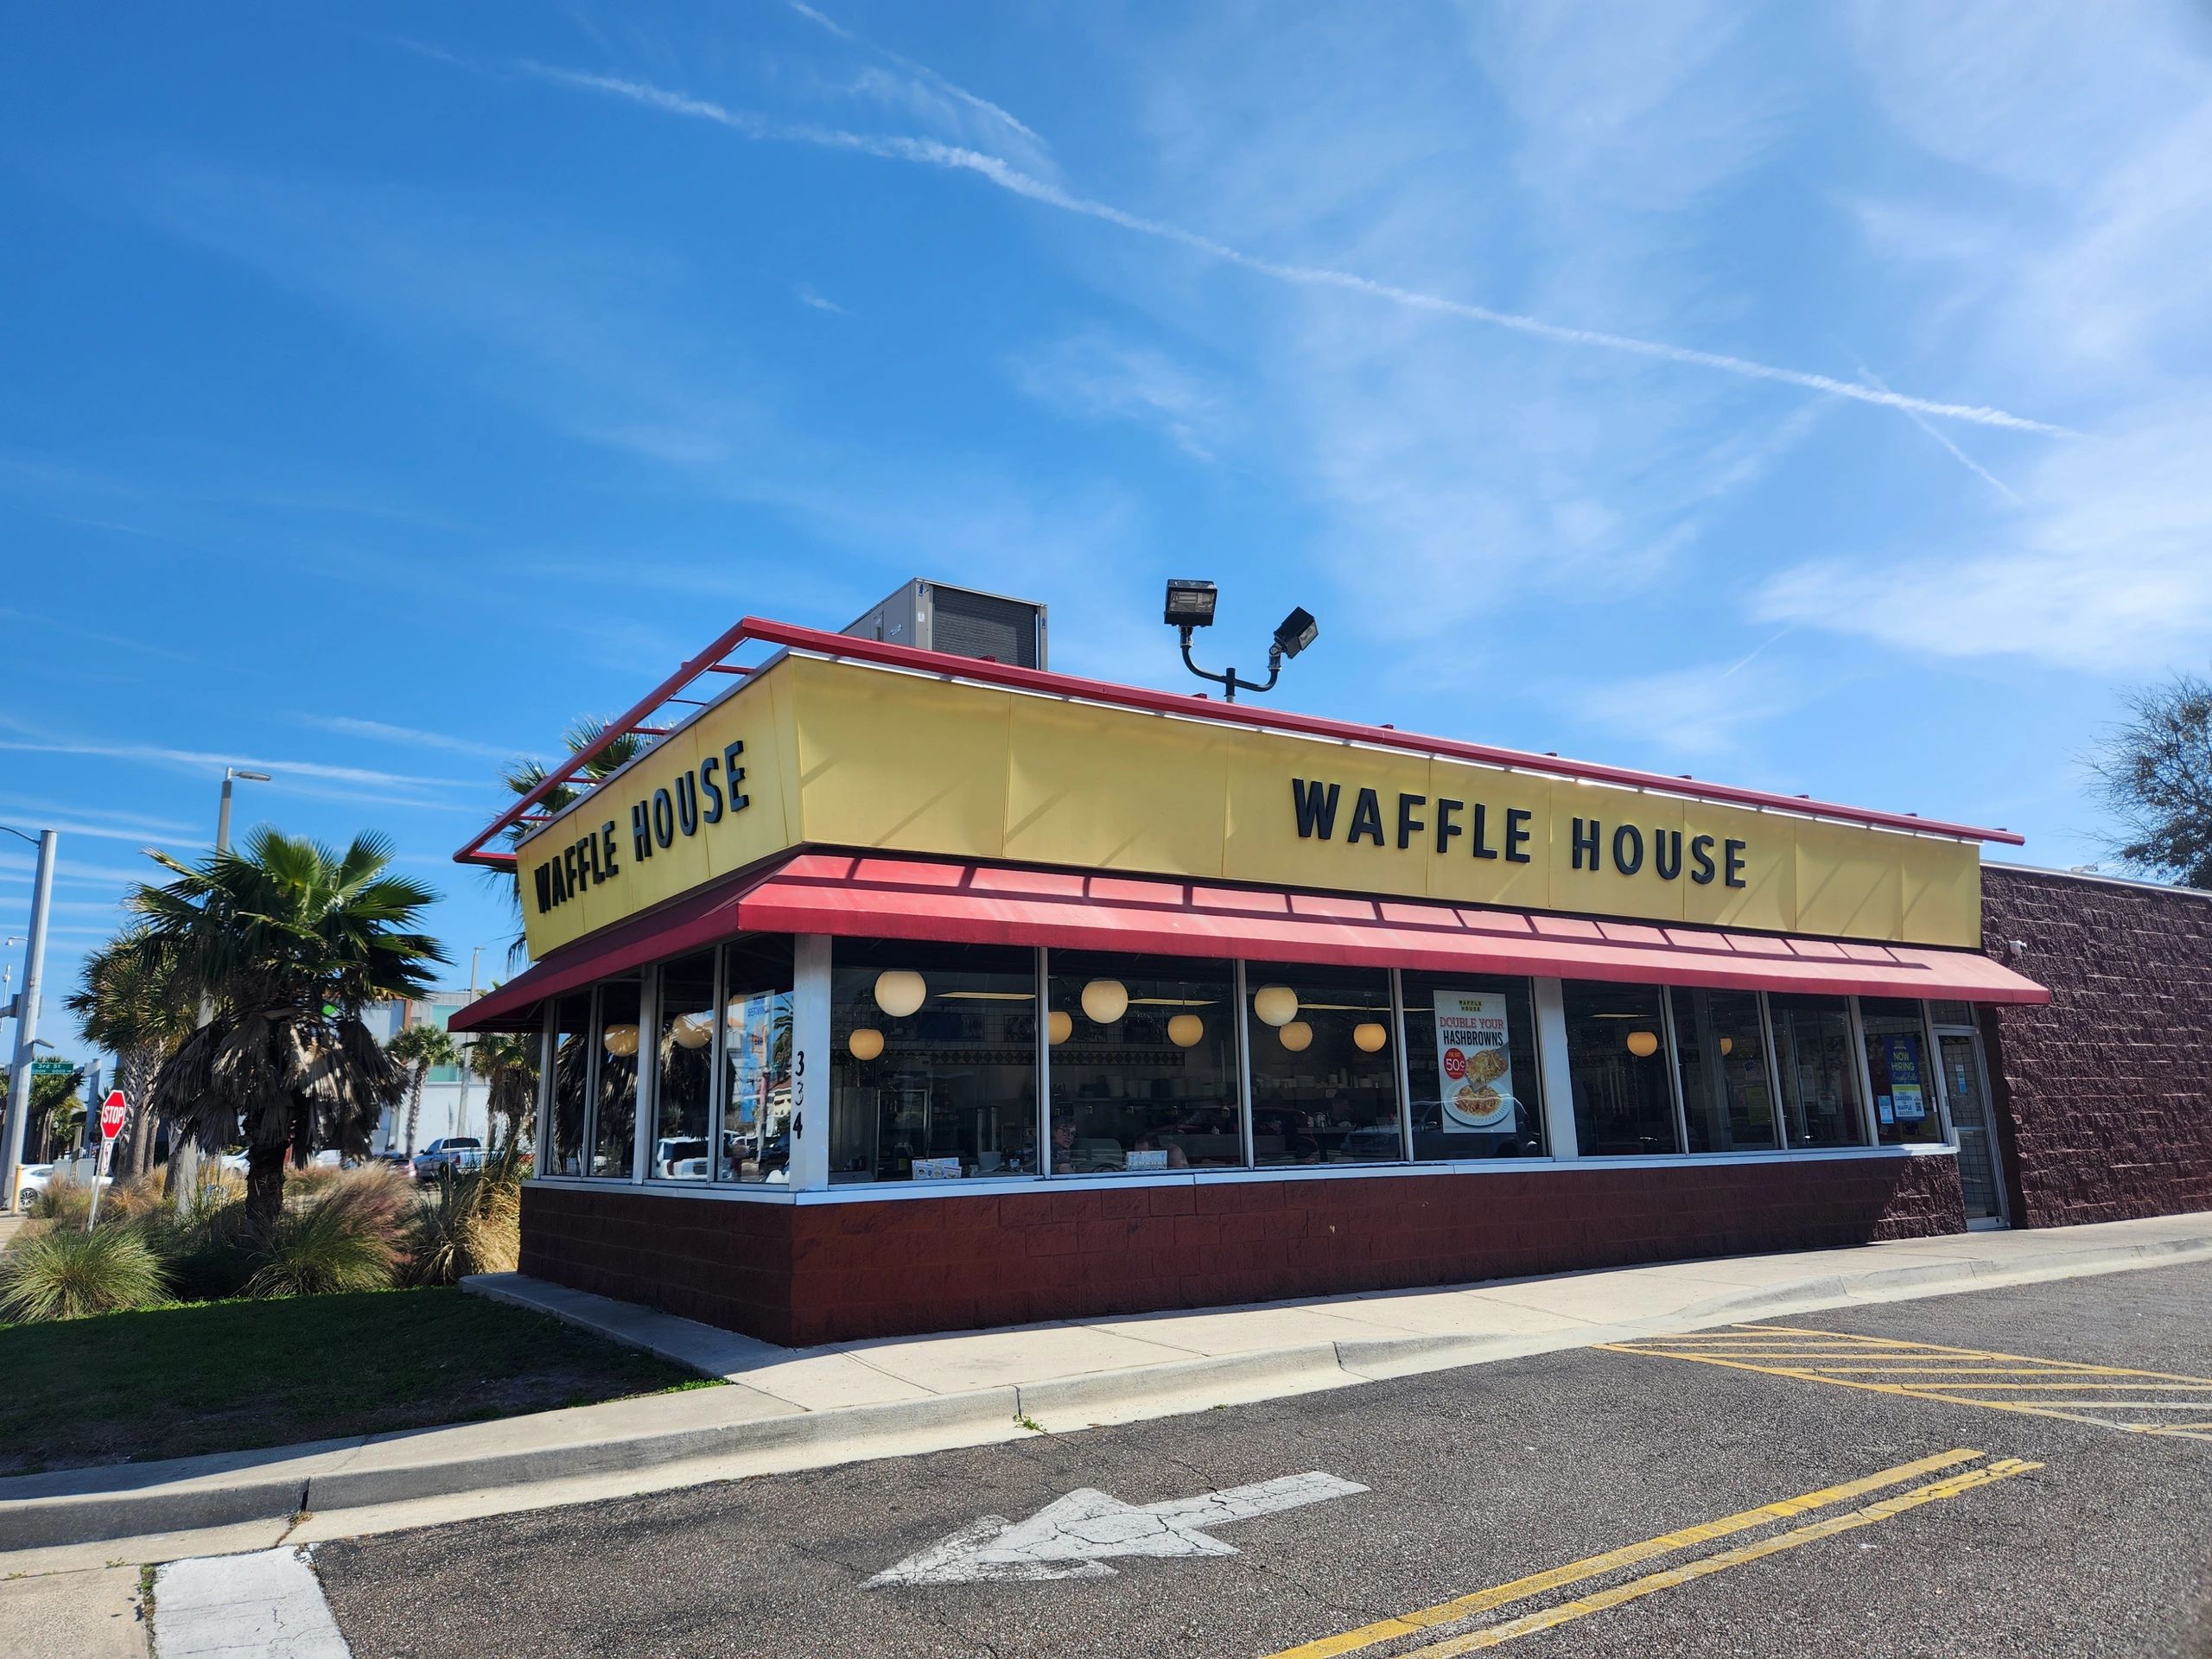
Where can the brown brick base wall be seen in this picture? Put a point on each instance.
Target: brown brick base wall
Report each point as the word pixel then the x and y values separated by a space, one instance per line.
pixel 802 1275
pixel 2104 1098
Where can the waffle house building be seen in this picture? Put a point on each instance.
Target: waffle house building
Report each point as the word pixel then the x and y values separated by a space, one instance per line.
pixel 898 989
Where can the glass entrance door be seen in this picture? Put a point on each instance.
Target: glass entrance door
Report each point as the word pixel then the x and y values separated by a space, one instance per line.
pixel 1965 1087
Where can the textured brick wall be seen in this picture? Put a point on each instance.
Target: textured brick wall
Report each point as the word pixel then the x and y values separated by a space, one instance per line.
pixel 2104 1098
pixel 724 1262
pixel 865 1269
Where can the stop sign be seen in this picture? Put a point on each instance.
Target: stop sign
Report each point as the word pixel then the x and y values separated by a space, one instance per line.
pixel 112 1112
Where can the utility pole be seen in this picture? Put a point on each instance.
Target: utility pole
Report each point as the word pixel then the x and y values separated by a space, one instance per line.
pixel 184 1151
pixel 26 1007
pixel 467 1049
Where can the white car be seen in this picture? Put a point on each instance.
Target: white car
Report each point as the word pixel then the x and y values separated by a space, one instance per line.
pixel 31 1180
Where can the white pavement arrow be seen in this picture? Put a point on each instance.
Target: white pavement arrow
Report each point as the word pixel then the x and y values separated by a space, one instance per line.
pixel 1071 1537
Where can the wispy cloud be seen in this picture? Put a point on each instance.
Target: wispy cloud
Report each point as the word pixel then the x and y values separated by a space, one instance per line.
pixel 204 760
pixel 929 152
pixel 925 83
pixel 806 295
pixel 1098 377
pixel 407 736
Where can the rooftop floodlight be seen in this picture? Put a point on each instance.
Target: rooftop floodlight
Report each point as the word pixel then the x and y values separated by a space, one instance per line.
pixel 1189 604
pixel 1296 632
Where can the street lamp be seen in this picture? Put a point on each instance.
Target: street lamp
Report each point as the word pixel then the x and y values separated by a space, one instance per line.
pixel 184 1152
pixel 223 812
pixel 1190 605
pixel 25 1007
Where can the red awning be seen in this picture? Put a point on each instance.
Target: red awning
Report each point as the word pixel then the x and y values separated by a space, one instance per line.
pixel 987 904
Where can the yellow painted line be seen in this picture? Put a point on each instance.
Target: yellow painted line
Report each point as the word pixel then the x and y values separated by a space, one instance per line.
pixel 1591 1567
pixel 1990 1353
pixel 2082 1379
pixel 1897 1389
pixel 2079 1388
pixel 1706 1566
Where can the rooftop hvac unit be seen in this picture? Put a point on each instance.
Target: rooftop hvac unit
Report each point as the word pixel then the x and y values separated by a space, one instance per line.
pixel 931 616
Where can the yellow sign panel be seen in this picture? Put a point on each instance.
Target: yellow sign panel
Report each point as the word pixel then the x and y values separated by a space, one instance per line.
pixel 836 754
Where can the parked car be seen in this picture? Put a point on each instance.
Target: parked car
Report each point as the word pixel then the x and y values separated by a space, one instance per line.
pixel 31 1180
pixel 680 1158
pixel 392 1158
pixel 456 1152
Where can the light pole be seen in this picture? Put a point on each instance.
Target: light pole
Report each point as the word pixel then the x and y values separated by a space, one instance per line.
pixel 1190 605
pixel 223 812
pixel 184 1152
pixel 26 1007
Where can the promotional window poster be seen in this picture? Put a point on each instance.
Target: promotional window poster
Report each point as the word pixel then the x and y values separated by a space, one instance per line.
pixel 1474 1062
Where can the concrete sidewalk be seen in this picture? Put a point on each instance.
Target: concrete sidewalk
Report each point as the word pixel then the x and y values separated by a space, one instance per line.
pixel 793 1409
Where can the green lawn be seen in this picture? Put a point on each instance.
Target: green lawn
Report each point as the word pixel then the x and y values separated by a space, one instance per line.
pixel 226 1376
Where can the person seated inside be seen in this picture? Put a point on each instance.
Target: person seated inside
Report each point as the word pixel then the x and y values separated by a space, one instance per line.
pixel 1173 1148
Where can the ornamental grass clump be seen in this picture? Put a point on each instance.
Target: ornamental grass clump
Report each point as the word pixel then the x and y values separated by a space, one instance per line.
pixel 63 1202
pixel 63 1272
pixel 344 1238
pixel 474 1226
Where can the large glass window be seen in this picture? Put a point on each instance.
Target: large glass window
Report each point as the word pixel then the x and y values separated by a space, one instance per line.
pixel 1727 1097
pixel 1896 1063
pixel 614 1110
pixel 1471 1060
pixel 1819 1073
pixel 1616 1053
pixel 757 1060
pixel 1324 1081
pixel 934 1061
pixel 1144 1064
pixel 571 1083
pixel 684 1057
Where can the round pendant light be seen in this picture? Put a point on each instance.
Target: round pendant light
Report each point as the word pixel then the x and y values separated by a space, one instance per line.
pixel 1367 1036
pixel 1185 1030
pixel 1643 1043
pixel 1059 1026
pixel 866 1042
pixel 690 1031
pixel 1105 1000
pixel 1276 1005
pixel 1297 1036
pixel 899 991
pixel 1727 1044
pixel 621 1041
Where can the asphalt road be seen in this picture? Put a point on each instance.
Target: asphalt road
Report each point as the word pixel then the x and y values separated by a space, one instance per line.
pixel 1473 1478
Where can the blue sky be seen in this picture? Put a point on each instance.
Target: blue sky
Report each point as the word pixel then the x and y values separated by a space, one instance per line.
pixel 1816 398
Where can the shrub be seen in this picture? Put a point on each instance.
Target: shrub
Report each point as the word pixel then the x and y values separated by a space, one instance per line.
pixel 65 1272
pixel 474 1226
pixel 64 1202
pixel 347 1237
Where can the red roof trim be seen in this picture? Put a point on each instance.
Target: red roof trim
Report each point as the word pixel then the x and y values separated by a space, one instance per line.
pixel 847 895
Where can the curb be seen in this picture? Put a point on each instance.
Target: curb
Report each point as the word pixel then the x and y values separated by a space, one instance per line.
pixel 351 1489
pixel 1965 1275
pixel 334 1476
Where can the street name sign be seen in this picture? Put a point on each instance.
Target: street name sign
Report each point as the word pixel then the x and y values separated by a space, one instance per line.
pixel 1072 1537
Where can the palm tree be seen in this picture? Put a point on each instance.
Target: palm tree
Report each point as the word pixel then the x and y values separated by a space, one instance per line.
pixel 419 1048
pixel 288 941
pixel 507 1061
pixel 54 1106
pixel 523 776
pixel 133 1006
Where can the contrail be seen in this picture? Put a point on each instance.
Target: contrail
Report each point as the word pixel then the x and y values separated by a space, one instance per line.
pixel 982 105
pixel 929 152
pixel 1944 438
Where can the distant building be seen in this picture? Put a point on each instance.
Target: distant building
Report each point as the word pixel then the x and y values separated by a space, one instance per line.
pixel 452 1098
